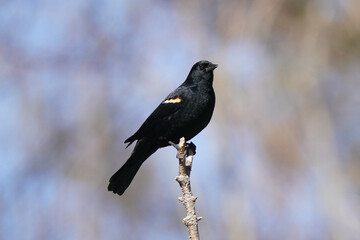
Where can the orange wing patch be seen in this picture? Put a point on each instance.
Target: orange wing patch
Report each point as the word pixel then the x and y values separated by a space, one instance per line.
pixel 173 100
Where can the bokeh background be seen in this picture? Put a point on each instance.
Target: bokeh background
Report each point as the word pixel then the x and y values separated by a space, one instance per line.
pixel 279 160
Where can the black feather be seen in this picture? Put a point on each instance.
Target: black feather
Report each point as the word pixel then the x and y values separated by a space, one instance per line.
pixel 183 113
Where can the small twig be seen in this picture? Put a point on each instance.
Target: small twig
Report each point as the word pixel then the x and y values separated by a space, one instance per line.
pixel 185 156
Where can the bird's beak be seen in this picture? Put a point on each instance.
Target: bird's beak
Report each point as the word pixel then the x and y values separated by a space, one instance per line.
pixel 211 67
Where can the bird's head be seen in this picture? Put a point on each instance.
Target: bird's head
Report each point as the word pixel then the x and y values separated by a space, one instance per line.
pixel 202 70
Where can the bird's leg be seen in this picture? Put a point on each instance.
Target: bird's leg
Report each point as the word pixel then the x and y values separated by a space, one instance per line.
pixel 178 156
pixel 190 149
pixel 174 145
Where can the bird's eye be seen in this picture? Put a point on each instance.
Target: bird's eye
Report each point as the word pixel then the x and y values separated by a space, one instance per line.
pixel 202 66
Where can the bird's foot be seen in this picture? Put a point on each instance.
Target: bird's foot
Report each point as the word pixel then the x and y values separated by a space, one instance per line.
pixel 190 149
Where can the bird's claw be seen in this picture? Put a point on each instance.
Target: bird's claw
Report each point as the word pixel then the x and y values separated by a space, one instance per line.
pixel 190 149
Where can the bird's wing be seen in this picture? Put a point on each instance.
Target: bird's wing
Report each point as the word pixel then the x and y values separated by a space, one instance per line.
pixel 170 105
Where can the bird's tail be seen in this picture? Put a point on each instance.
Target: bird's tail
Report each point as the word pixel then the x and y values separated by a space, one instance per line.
pixel 121 180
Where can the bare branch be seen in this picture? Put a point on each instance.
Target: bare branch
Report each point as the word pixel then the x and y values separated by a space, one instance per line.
pixel 185 156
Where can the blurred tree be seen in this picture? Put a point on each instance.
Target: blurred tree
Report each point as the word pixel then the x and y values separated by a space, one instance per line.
pixel 79 77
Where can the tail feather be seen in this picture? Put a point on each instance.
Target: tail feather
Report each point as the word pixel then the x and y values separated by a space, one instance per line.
pixel 121 180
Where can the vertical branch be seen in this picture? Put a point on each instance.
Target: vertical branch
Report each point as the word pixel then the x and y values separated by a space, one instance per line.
pixel 185 162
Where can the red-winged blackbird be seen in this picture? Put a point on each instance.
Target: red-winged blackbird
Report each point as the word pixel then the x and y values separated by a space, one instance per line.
pixel 183 113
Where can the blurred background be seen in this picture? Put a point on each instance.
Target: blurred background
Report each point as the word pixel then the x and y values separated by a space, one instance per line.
pixel 279 160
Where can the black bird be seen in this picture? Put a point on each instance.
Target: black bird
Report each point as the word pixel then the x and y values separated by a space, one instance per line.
pixel 183 113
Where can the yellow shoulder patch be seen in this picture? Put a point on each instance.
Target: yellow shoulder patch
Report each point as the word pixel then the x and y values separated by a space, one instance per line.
pixel 173 100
